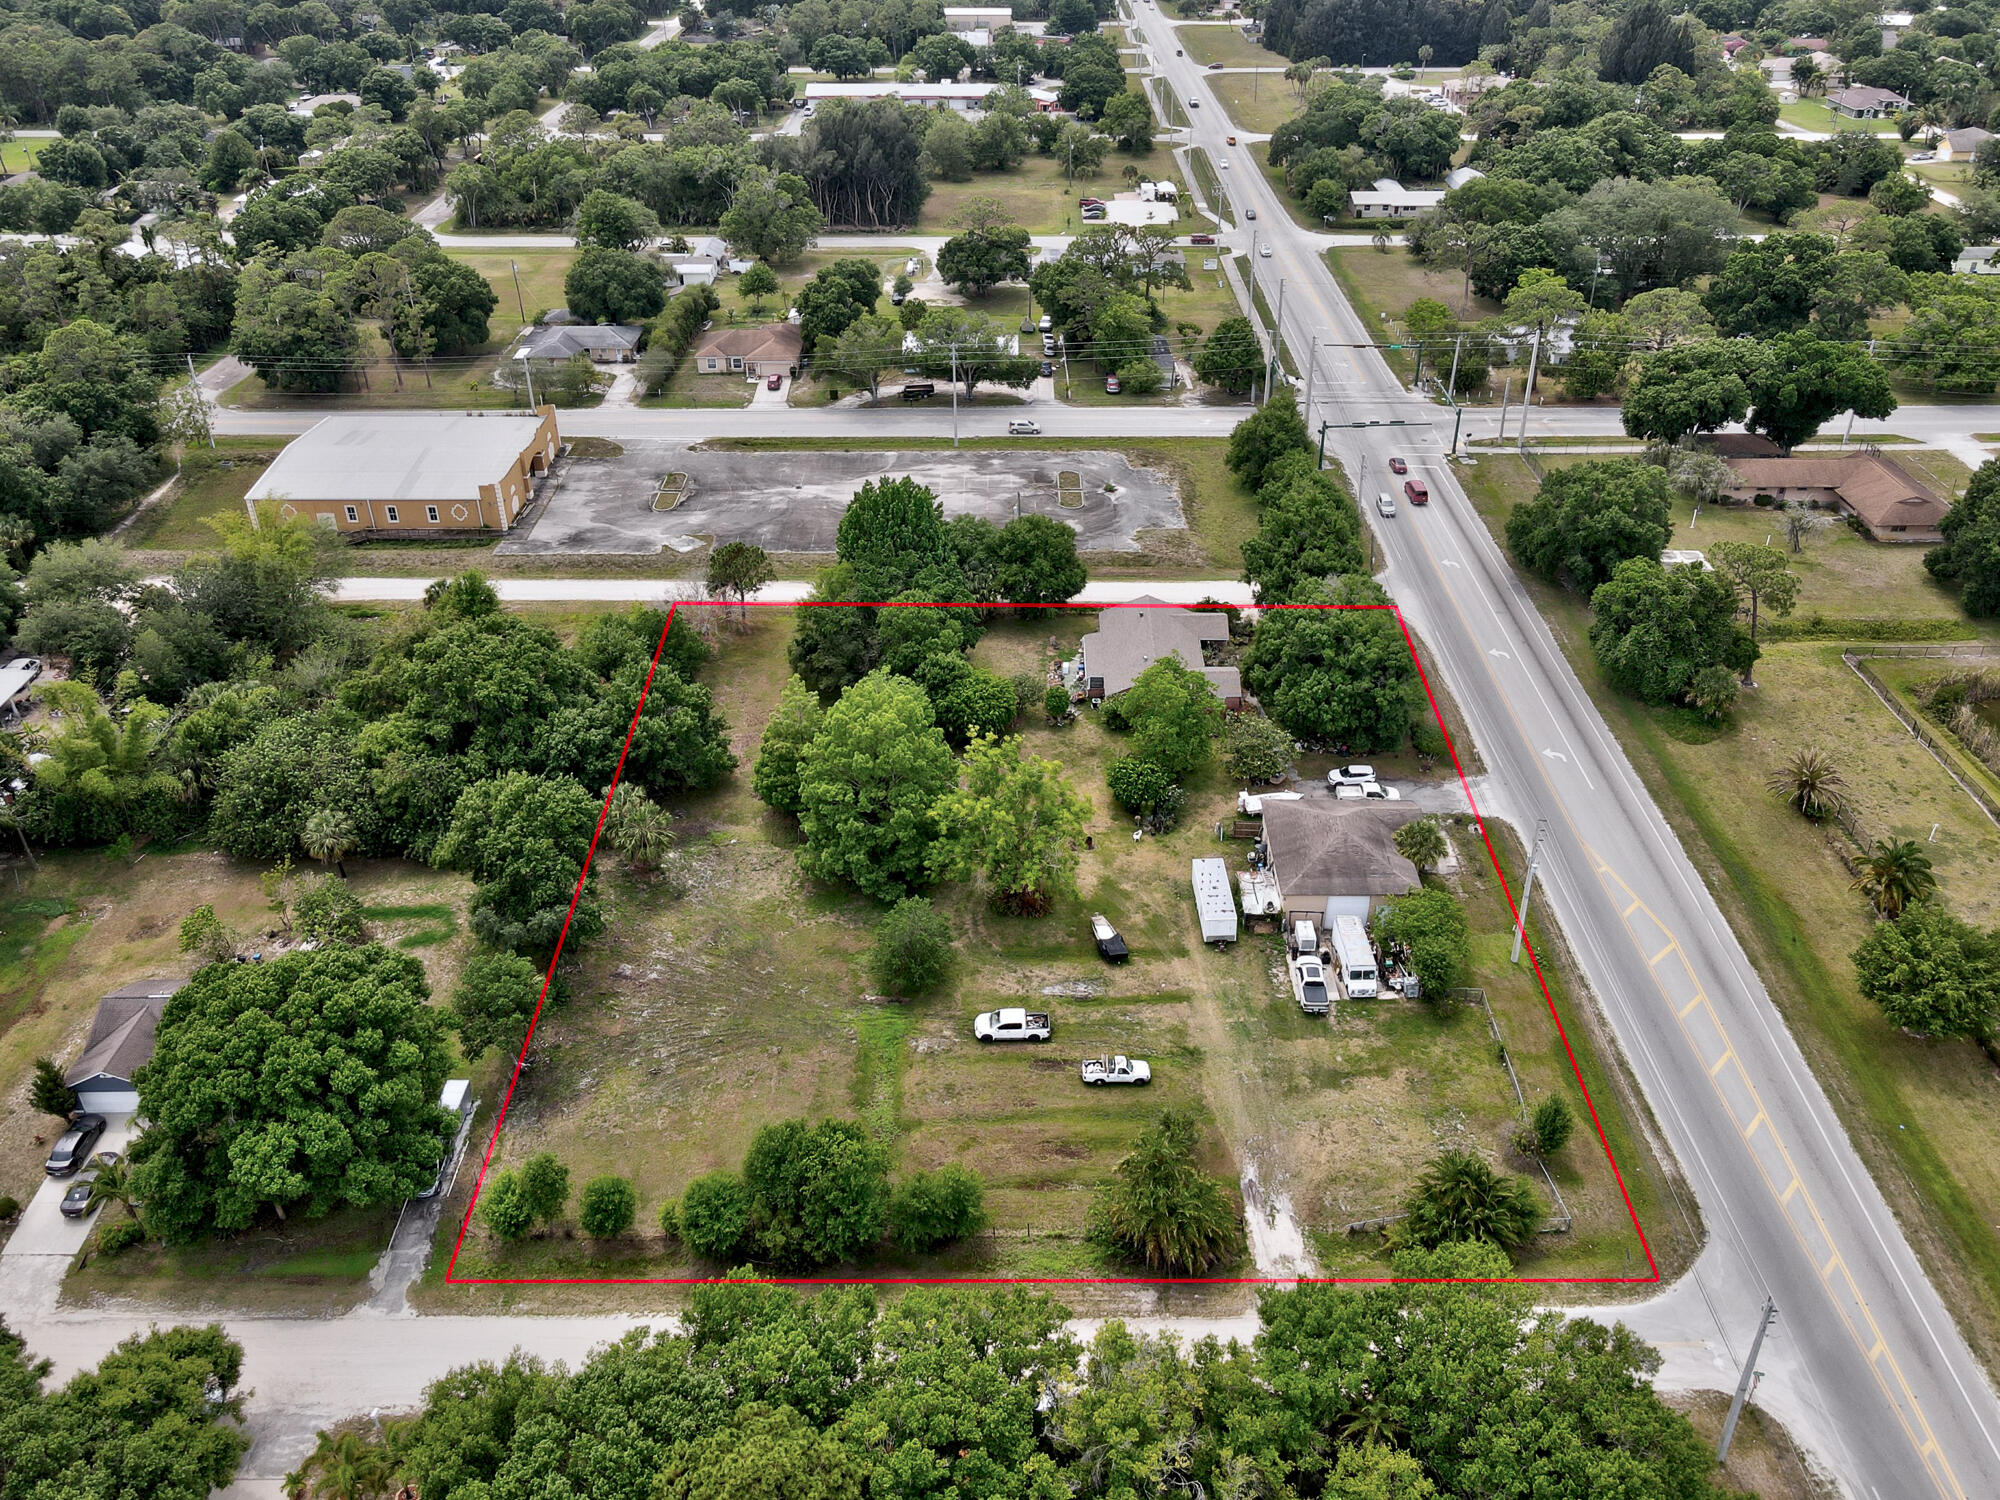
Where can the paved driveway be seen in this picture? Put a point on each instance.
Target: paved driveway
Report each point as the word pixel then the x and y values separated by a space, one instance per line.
pixel 44 1242
pixel 792 502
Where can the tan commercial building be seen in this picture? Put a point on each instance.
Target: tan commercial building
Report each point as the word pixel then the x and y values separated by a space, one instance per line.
pixel 1870 487
pixel 429 473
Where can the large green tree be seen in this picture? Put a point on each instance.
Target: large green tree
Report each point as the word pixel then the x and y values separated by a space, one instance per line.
pixel 1016 822
pixel 1689 388
pixel 819 1194
pixel 1162 1211
pixel 1174 715
pixel 523 838
pixel 1264 437
pixel 1970 555
pixel 1307 531
pixel 1587 518
pixel 1655 629
pixel 1335 676
pixel 156 1418
pixel 867 787
pixel 295 1086
pixel 1805 381
pixel 1931 972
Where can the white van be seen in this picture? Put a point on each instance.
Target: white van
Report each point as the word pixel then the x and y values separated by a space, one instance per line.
pixel 1354 959
pixel 1022 427
pixel 1047 325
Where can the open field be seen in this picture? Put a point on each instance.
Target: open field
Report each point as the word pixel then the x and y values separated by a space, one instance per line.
pixel 1813 114
pixel 1258 102
pixel 213 482
pixel 1383 283
pixel 1923 1114
pixel 527 282
pixel 21 155
pixel 1039 195
pixel 462 382
pixel 698 1019
pixel 1226 45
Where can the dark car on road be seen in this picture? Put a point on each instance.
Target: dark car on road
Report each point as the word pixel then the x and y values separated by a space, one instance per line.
pixel 73 1148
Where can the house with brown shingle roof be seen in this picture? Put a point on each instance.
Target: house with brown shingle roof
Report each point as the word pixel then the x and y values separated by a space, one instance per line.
pixel 1337 859
pixel 772 349
pixel 1875 491
pixel 1131 638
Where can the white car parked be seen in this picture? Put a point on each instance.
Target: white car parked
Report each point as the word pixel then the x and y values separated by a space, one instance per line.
pixel 1354 774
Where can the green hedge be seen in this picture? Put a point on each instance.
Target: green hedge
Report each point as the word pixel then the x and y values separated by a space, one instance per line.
pixel 673 333
pixel 1822 628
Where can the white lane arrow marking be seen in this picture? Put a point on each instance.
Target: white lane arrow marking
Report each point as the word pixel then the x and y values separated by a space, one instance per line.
pixel 1449 562
pixel 1496 651
pixel 1556 755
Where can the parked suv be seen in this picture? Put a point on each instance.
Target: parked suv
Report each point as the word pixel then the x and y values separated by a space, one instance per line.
pixel 73 1147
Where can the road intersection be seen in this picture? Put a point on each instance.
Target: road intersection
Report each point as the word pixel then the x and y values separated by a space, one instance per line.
pixel 1866 1365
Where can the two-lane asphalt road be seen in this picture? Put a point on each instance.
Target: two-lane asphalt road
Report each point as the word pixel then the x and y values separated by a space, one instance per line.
pixel 1865 1363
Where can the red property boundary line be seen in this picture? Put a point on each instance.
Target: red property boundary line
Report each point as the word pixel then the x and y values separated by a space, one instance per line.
pixel 451 1277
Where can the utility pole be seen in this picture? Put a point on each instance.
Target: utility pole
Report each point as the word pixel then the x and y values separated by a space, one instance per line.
pixel 194 385
pixel 1764 1321
pixel 1312 369
pixel 954 393
pixel 1450 393
pixel 1528 888
pixel 1322 445
pixel 1506 390
pixel 528 369
pixel 1528 396
pixel 519 301
pixel 1277 338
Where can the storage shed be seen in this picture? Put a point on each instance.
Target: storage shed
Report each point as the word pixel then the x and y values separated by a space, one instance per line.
pixel 1212 901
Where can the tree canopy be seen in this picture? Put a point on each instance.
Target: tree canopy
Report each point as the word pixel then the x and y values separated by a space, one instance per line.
pixel 1587 518
pixel 295 1086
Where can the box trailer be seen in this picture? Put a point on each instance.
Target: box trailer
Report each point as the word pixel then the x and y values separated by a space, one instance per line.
pixel 1354 956
pixel 1261 896
pixel 1212 901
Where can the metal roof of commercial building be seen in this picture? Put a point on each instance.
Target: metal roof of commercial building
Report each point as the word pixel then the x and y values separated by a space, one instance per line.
pixel 417 455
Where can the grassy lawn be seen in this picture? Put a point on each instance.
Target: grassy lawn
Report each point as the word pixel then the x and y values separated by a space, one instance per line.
pixel 1923 1114
pixel 691 1027
pixel 1037 196
pixel 459 382
pixel 1256 101
pixel 1167 105
pixel 690 387
pixel 1209 185
pixel 1379 282
pixel 213 482
pixel 1221 514
pixel 1952 176
pixel 1226 45
pixel 20 155
pixel 527 282
pixel 314 1268
pixel 1812 114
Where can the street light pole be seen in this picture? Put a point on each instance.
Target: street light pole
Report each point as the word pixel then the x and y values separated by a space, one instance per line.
pixel 1277 334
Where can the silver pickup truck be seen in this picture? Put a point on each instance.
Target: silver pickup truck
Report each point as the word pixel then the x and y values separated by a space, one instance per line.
pixel 1012 1025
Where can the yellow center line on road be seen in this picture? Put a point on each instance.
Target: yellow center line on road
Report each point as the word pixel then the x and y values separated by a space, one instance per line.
pixel 1807 1227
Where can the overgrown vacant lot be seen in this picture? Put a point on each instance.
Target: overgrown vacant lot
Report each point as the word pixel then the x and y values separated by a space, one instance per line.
pixel 699 1018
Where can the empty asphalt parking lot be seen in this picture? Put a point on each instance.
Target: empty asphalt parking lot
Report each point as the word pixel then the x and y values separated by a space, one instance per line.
pixel 791 502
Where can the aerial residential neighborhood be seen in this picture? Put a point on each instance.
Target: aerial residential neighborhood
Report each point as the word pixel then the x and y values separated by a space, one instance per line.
pixel 860 749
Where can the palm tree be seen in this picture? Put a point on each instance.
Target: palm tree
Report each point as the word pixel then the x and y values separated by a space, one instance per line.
pixel 1459 1197
pixel 639 828
pixel 1811 783
pixel 329 837
pixel 113 1184
pixel 346 1465
pixel 1895 874
pixel 1422 843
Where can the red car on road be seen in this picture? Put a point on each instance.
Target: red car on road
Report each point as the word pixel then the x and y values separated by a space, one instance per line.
pixel 775 383
pixel 1415 493
pixel 1397 466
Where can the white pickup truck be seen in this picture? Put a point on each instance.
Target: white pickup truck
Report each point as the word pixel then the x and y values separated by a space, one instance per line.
pixel 1102 1070
pixel 1012 1025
